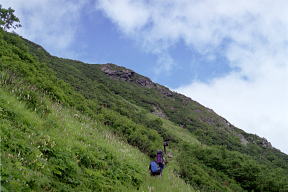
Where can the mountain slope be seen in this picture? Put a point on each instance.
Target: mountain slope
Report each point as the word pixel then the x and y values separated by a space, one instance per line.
pixel 93 127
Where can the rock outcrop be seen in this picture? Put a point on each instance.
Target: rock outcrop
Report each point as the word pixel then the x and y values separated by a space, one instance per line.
pixel 121 73
pixel 159 112
pixel 266 144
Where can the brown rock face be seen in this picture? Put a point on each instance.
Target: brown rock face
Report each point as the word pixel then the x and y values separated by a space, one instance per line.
pixel 145 82
pixel 265 143
pixel 121 73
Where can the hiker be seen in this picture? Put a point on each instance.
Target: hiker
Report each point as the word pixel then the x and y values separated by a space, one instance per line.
pixel 160 159
pixel 165 144
pixel 154 168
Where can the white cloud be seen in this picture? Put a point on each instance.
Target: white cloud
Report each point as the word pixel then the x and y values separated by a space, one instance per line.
pixel 129 20
pixel 164 63
pixel 257 106
pixel 255 33
pixel 51 23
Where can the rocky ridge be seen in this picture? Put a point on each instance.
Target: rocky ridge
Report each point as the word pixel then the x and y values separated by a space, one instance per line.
pixel 121 73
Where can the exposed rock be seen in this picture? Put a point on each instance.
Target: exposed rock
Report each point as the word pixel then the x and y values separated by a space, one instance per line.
pixel 165 91
pixel 243 140
pixel 169 155
pixel 145 82
pixel 121 73
pixel 182 125
pixel 157 111
pixel 197 111
pixel 266 144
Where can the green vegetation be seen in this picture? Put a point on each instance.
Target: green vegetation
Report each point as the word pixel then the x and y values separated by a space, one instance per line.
pixel 58 152
pixel 68 126
pixel 207 167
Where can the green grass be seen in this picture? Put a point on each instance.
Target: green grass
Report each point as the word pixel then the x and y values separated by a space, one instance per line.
pixel 169 181
pixel 66 126
pixel 179 132
pixel 67 130
pixel 39 147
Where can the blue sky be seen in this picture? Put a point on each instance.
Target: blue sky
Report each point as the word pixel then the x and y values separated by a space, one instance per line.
pixel 228 55
pixel 98 40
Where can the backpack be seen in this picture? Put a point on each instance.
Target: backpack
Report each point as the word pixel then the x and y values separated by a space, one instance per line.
pixel 154 167
pixel 159 158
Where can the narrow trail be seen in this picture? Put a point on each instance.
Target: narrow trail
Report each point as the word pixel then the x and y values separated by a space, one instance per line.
pixel 169 181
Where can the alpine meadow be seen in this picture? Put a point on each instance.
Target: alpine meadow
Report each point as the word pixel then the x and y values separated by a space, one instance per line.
pixel 72 126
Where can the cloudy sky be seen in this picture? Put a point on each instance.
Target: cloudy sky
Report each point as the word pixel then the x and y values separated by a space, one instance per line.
pixel 229 55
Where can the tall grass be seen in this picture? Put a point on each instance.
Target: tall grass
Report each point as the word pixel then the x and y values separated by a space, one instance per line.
pixel 67 151
pixel 62 152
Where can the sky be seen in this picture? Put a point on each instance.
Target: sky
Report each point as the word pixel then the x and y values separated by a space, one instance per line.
pixel 229 55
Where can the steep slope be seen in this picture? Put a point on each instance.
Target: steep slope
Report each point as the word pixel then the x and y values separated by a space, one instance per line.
pixel 47 144
pixel 93 127
pixel 205 124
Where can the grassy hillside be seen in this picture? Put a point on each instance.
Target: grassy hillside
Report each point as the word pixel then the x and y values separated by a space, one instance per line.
pixel 70 126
